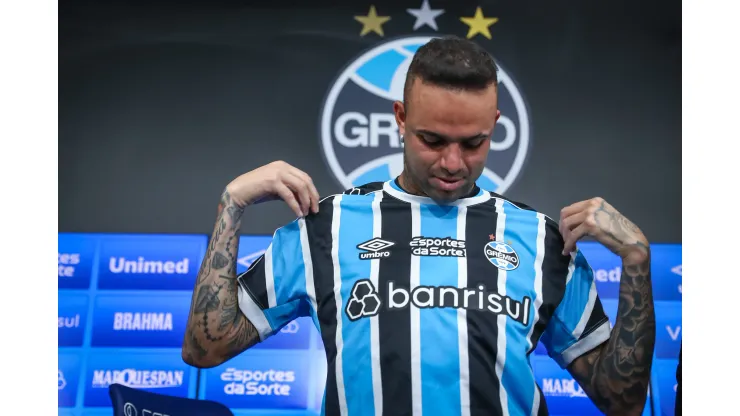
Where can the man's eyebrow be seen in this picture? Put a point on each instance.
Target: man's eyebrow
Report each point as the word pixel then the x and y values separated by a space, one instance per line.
pixel 448 138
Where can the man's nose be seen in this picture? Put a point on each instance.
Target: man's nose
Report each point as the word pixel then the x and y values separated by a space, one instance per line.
pixel 452 160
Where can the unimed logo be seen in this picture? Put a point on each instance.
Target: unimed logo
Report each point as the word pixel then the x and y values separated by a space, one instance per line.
pixel 258 383
pixel 143 266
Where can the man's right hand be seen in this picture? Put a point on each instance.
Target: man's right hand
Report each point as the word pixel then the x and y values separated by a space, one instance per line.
pixel 277 180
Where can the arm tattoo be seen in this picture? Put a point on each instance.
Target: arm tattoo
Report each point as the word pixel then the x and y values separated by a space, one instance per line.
pixel 616 375
pixel 216 328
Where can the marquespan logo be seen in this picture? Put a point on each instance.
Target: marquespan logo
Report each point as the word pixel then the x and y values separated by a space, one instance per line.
pixel 360 137
pixel 502 255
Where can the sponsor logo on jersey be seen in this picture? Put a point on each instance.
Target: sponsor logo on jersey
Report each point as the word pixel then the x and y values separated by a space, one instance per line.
pixel 359 134
pixel 501 255
pixel 377 248
pixel 366 301
pixel 437 247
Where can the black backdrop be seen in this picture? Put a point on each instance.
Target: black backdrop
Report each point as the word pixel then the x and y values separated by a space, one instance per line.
pixel 160 106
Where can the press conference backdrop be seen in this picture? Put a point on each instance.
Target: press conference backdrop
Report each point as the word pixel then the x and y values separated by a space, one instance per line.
pixel 124 301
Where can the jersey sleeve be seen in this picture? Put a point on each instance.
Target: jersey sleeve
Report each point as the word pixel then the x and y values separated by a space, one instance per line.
pixel 273 291
pixel 578 323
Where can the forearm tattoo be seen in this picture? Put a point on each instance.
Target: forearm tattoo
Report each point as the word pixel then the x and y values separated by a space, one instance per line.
pixel 216 327
pixel 616 376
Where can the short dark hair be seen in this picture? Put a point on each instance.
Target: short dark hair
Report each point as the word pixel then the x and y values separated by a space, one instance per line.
pixel 452 62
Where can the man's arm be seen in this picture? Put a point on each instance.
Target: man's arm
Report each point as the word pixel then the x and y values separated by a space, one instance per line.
pixel 616 374
pixel 216 329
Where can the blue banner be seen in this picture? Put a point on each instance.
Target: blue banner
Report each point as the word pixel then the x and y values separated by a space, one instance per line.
pixel 250 249
pixel 260 380
pixel 296 335
pixel 665 386
pixel 668 332
pixel 72 317
pixel 68 378
pixel 158 262
pixel 665 270
pixel 141 320
pixel 562 393
pixel 163 373
pixel 75 260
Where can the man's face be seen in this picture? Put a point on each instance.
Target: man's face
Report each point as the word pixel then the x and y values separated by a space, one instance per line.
pixel 447 136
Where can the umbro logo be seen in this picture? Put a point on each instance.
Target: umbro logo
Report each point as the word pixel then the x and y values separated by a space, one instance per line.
pixel 375 249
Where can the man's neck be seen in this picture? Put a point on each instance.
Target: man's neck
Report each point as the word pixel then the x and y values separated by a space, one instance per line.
pixel 408 186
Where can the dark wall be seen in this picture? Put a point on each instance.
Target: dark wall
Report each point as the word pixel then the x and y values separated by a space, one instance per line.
pixel 161 106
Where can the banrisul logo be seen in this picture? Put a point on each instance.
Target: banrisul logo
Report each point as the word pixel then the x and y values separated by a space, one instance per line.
pixel 359 134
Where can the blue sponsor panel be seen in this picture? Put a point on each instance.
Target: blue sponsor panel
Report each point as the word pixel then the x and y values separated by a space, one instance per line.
pixel 140 320
pixel 152 262
pixel 296 335
pixel 666 271
pixel 250 249
pixel 562 393
pixel 76 255
pixel 607 268
pixel 157 372
pixel 72 317
pixel 260 380
pixel 668 333
pixel 68 378
pixel 665 386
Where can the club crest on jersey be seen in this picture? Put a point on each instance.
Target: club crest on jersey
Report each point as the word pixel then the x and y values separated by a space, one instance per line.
pixel 359 134
pixel 502 255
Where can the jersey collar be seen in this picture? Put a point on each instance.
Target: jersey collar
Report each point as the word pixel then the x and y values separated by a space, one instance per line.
pixel 394 190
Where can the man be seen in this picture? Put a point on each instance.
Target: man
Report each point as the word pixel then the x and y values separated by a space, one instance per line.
pixel 430 293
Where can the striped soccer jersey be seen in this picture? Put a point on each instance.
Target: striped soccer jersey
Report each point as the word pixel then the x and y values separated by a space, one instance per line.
pixel 425 308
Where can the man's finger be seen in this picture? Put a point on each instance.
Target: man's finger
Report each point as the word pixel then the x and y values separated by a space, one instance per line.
pixel 573 221
pixel 573 237
pixel 573 209
pixel 300 187
pixel 315 198
pixel 287 195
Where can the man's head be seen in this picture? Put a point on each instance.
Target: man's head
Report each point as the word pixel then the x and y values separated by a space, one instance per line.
pixel 447 116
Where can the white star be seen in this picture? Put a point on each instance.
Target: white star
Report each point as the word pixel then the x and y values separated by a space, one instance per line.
pixel 425 15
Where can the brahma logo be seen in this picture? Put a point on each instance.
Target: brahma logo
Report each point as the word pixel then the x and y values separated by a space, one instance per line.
pixel 359 135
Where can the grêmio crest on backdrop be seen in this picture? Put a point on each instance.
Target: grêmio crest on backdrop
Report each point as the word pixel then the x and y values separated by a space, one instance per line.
pixel 358 133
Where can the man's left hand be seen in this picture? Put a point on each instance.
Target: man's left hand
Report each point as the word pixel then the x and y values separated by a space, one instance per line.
pixel 596 218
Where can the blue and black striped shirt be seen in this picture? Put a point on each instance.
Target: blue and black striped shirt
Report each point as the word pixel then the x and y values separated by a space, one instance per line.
pixel 425 308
